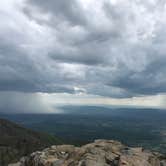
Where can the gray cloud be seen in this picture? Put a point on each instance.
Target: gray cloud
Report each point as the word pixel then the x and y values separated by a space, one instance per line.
pixel 108 49
pixel 68 11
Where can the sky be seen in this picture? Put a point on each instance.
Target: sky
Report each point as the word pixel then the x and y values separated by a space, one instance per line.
pixel 82 52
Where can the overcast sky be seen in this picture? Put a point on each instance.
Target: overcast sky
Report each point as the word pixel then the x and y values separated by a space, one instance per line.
pixel 82 52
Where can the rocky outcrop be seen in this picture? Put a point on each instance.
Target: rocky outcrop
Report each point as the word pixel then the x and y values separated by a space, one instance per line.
pixel 99 153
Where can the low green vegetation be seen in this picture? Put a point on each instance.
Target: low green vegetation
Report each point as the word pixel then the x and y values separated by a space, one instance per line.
pixel 16 141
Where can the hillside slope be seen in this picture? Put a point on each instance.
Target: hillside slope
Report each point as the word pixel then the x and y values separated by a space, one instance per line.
pixel 99 153
pixel 17 141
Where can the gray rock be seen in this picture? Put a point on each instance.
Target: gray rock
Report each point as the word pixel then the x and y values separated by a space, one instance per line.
pixel 98 153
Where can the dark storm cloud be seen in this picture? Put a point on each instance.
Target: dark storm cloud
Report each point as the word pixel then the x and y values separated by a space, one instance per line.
pixel 114 49
pixel 69 11
pixel 19 72
pixel 150 81
pixel 86 53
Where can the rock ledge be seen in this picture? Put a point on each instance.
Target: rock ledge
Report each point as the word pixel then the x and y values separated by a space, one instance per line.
pixel 99 153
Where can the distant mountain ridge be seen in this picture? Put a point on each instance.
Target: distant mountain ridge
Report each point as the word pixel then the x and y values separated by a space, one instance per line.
pixel 17 141
pixel 107 110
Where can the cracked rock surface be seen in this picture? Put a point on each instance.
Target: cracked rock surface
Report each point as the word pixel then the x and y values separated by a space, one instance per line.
pixel 99 153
